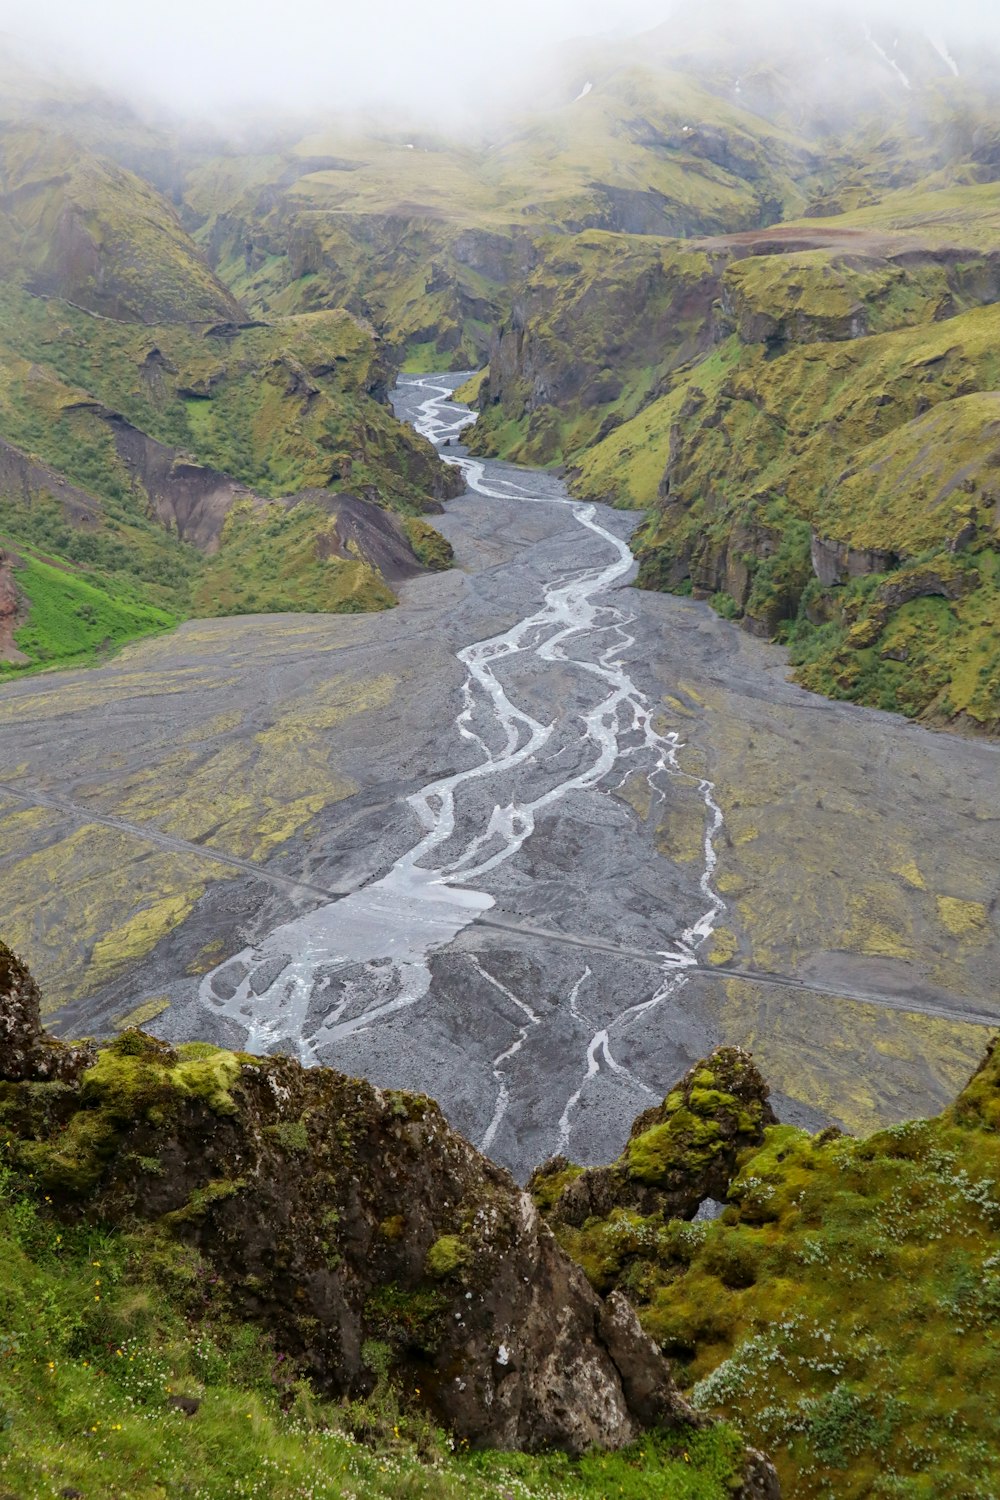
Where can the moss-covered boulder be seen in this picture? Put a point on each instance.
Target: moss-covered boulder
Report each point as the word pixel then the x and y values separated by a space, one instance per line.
pixel 842 1309
pixel 679 1153
pixel 353 1224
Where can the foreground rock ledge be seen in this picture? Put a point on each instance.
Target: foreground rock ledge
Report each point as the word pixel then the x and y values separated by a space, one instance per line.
pixel 339 1214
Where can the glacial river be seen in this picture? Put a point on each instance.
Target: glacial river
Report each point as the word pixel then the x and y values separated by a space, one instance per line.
pixel 530 843
pixel 344 969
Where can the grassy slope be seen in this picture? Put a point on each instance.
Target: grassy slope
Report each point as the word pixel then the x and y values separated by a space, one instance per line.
pixel 280 407
pixel 100 1330
pixel 383 239
pixel 91 232
pixel 283 406
pixel 271 562
pixel 845 1309
pixel 72 618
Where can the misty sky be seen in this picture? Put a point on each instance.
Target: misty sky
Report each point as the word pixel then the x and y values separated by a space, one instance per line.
pixel 213 55
pixel 308 52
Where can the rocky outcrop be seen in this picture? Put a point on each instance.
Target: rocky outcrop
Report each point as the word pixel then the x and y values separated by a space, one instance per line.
pixel 345 1220
pixel 945 582
pixel 190 499
pixel 837 562
pixel 679 1153
pixel 10 605
pixel 397 547
pixel 23 479
pixel 583 324
pixel 872 286
pixel 27 1052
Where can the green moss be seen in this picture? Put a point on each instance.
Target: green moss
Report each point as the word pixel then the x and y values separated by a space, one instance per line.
pixel 202 1199
pixel 275 560
pixel 134 1079
pixel 844 1304
pixel 546 1187
pixel 429 545
pixel 410 1317
pixel 74 1163
pixel 209 1079
pixel 683 1141
pixel 291 1135
pixel 447 1255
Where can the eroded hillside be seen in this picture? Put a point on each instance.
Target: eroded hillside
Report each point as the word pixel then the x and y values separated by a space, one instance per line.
pixel 164 454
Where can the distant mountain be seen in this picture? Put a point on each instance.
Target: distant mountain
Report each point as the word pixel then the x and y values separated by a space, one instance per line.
pixel 676 235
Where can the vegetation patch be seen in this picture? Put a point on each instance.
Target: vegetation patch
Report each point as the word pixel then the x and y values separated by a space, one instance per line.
pixel 844 1310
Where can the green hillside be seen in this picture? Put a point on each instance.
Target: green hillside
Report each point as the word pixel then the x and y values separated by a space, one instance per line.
pixel 139 404
pixel 803 411
pixel 82 228
pixel 843 1310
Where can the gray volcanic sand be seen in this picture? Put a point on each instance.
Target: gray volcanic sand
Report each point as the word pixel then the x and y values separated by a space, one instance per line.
pixel 211 835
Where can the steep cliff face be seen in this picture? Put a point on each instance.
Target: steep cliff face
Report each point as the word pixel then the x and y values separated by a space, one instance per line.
pixel 598 325
pixel 340 1218
pixel 433 289
pixel 801 459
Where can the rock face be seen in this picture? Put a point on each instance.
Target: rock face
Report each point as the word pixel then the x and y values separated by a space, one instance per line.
pixel 836 562
pixel 354 1224
pixel 10 603
pixel 679 1153
pixel 27 1053
pixel 343 1219
pixel 582 323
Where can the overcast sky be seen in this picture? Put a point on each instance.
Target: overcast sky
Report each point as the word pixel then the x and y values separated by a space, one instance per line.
pixel 310 51
pixel 210 55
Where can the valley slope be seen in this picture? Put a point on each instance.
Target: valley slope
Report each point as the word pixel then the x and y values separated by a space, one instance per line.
pixel 162 453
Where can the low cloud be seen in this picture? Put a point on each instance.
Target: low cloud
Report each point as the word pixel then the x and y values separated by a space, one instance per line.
pixel 212 57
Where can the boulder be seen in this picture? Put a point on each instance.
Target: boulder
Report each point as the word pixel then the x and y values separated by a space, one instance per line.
pixel 352 1223
pixel 27 1053
pixel 679 1153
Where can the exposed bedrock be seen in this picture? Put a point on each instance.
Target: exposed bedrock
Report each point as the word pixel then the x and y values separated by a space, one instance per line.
pixel 836 562
pixel 338 1214
pixel 27 1052
pixel 679 1153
